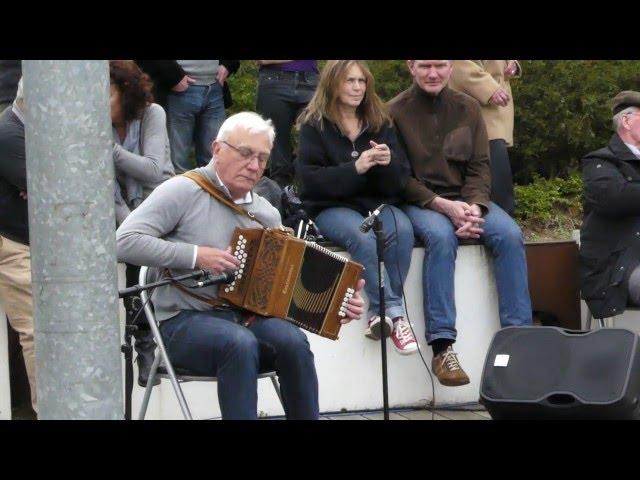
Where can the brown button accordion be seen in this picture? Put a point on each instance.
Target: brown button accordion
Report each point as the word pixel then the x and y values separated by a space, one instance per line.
pixel 286 277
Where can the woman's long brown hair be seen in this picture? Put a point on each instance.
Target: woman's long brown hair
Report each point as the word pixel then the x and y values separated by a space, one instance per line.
pixel 372 111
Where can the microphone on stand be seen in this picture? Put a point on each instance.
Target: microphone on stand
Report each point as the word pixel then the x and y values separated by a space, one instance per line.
pixel 127 292
pixel 224 277
pixel 370 220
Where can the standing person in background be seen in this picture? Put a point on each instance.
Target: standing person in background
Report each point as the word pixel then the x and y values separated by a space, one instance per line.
pixel 488 82
pixel 15 255
pixel 141 156
pixel 196 95
pixel 285 87
pixel 10 72
pixel 349 163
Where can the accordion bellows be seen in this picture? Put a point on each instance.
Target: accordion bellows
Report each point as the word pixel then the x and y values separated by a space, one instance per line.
pixel 286 277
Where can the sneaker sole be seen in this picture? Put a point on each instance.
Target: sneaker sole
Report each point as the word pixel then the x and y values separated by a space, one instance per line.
pixel 406 351
pixel 450 383
pixel 374 332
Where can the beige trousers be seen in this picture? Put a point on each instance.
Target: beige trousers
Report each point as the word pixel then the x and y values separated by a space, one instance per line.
pixel 15 296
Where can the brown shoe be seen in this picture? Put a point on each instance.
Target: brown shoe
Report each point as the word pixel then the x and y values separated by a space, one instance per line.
pixel 448 370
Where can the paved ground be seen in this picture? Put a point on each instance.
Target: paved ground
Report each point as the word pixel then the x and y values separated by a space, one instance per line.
pixel 414 414
pixel 474 412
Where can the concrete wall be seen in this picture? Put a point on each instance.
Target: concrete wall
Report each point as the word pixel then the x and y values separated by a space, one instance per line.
pixel 349 369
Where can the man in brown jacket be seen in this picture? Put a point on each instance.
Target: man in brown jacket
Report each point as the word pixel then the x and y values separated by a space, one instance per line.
pixel 446 142
pixel 488 82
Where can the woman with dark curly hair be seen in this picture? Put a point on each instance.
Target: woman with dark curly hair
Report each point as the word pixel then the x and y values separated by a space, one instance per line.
pixel 142 161
pixel 140 141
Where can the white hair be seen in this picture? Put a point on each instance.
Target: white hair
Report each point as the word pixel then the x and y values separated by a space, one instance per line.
pixel 618 116
pixel 249 121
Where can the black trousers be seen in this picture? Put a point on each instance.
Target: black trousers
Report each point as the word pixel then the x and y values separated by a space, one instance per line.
pixel 281 97
pixel 501 177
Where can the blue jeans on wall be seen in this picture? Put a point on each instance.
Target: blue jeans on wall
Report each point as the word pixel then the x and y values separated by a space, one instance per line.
pixel 341 226
pixel 193 119
pixel 281 97
pixel 503 237
pixel 216 343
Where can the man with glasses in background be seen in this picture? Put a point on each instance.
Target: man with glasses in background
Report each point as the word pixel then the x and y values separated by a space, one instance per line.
pixel 610 234
pixel 182 227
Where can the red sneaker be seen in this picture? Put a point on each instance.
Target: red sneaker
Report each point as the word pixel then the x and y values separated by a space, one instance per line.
pixel 403 340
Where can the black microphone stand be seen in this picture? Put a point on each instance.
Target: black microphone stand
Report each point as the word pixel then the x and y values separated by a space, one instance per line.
pixel 127 349
pixel 378 231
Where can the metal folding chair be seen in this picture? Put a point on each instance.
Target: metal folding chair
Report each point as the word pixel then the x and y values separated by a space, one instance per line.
pixel 602 322
pixel 166 370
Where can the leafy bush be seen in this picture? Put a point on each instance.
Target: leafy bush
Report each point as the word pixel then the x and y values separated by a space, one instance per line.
pixel 391 78
pixel 562 107
pixel 563 112
pixel 549 208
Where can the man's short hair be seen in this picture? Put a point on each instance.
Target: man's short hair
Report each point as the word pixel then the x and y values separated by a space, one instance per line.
pixel 618 116
pixel 249 121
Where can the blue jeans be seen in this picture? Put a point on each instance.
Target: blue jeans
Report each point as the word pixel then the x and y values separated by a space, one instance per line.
pixel 193 119
pixel 216 343
pixel 341 226
pixel 503 237
pixel 281 97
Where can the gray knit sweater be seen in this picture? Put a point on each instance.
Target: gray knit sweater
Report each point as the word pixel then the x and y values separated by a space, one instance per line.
pixel 153 166
pixel 164 230
pixel 202 71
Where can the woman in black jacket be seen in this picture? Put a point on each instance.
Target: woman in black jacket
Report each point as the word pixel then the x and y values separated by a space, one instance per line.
pixel 350 162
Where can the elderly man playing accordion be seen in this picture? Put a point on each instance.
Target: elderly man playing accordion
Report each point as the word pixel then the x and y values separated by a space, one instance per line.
pixel 182 227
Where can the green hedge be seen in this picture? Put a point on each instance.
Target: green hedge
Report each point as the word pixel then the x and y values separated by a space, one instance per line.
pixel 549 208
pixel 563 112
pixel 562 107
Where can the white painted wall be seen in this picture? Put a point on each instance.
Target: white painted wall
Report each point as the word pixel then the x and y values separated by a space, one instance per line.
pixel 349 369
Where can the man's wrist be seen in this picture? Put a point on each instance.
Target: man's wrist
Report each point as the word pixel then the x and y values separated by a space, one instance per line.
pixel 436 204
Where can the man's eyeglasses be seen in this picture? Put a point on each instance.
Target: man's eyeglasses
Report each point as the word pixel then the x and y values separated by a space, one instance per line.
pixel 248 154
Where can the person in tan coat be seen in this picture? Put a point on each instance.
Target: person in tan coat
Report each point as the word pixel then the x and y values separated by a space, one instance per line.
pixel 488 82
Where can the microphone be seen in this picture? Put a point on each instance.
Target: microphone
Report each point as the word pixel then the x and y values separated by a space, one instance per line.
pixel 224 277
pixel 370 220
pixel 127 292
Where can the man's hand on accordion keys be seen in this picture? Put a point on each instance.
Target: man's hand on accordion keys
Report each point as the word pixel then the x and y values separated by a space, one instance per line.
pixel 216 260
pixel 355 306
